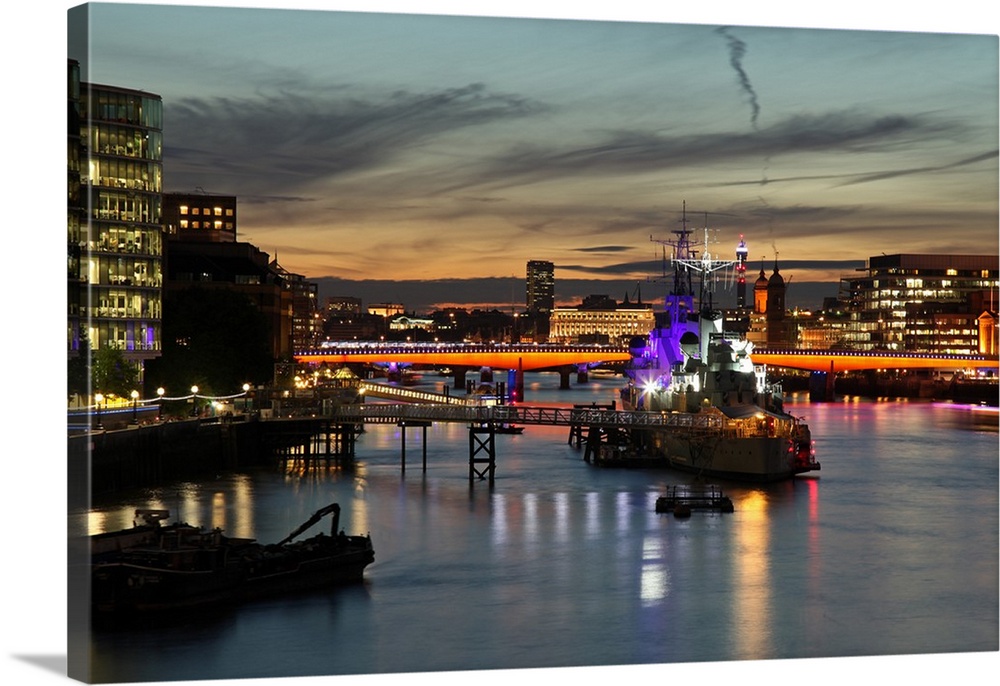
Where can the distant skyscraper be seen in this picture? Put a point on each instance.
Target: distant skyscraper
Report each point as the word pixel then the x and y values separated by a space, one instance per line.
pixel 541 286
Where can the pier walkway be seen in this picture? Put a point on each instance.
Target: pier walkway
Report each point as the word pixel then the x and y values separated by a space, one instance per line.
pixel 498 415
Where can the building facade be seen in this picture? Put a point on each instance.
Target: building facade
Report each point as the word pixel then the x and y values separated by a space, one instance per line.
pixel 200 217
pixel 76 213
pixel 116 240
pixel 307 320
pixel 919 303
pixel 615 326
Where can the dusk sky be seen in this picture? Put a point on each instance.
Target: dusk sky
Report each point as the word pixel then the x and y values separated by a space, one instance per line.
pixel 414 147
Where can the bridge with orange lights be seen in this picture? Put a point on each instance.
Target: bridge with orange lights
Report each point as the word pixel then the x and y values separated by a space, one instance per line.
pixel 462 357
pixel 496 355
pixel 855 360
pixel 538 356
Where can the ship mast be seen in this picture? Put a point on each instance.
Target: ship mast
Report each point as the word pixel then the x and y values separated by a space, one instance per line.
pixel 706 266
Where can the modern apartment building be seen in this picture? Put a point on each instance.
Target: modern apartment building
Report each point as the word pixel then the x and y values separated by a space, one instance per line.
pixel 920 303
pixel 114 212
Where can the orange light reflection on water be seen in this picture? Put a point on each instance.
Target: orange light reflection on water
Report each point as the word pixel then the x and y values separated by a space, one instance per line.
pixel 752 583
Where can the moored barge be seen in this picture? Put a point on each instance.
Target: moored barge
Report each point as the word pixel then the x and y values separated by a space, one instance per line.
pixel 153 567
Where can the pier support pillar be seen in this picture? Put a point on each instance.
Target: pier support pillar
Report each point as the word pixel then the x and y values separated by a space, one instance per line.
pixel 459 373
pixel 591 452
pixel 402 442
pixel 582 373
pixel 482 440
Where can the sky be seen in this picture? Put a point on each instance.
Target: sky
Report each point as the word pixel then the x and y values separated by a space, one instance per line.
pixel 391 149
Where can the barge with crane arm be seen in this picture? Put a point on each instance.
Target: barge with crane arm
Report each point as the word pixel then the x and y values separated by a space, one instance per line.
pixel 155 567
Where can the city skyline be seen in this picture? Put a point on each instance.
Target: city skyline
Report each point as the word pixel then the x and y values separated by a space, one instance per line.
pixel 382 151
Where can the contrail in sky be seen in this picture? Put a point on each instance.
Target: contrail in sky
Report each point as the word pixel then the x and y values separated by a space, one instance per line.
pixel 737 49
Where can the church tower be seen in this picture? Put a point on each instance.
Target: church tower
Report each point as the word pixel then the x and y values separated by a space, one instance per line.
pixel 760 292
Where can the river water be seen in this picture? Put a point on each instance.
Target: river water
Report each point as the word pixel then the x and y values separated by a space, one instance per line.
pixel 891 549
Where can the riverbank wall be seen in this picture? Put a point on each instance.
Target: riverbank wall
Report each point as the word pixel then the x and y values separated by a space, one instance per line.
pixel 153 453
pixel 143 455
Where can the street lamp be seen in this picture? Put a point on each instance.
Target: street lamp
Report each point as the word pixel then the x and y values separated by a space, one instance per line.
pixel 135 407
pixel 159 393
pixel 246 396
pixel 98 399
pixel 194 401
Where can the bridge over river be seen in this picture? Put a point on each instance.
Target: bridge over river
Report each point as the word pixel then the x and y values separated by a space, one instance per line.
pixel 538 356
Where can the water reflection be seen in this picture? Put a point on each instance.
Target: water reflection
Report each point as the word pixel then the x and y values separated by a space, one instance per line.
pixel 654 575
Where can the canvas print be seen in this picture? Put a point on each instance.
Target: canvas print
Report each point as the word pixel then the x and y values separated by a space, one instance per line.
pixel 407 344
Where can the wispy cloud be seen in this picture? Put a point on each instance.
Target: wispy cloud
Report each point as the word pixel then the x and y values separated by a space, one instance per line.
pixel 286 138
pixel 625 152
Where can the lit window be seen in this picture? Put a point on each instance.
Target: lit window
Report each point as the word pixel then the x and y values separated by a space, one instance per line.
pixel 218 211
pixel 194 210
pixel 184 209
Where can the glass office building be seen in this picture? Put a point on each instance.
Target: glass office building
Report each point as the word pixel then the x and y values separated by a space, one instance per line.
pixel 116 240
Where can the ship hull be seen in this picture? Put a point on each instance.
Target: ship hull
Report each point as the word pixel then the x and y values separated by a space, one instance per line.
pixel 757 459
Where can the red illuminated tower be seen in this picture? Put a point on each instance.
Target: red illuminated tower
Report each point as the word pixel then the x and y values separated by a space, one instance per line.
pixel 741 274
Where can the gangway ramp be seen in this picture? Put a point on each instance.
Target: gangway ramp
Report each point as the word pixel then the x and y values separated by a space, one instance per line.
pixel 379 390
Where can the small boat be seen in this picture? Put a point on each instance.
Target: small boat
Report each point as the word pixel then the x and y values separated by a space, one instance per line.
pixel 154 567
pixel 510 429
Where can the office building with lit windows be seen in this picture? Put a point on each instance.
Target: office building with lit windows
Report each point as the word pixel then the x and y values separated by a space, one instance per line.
pixel 76 213
pixel 200 217
pixel 116 241
pixel 920 303
pixel 202 251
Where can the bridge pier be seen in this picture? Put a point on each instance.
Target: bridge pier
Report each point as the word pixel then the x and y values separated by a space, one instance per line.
pixel 518 394
pixel 564 373
pixel 459 377
pixel 582 373
pixel 821 386
pixel 486 445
